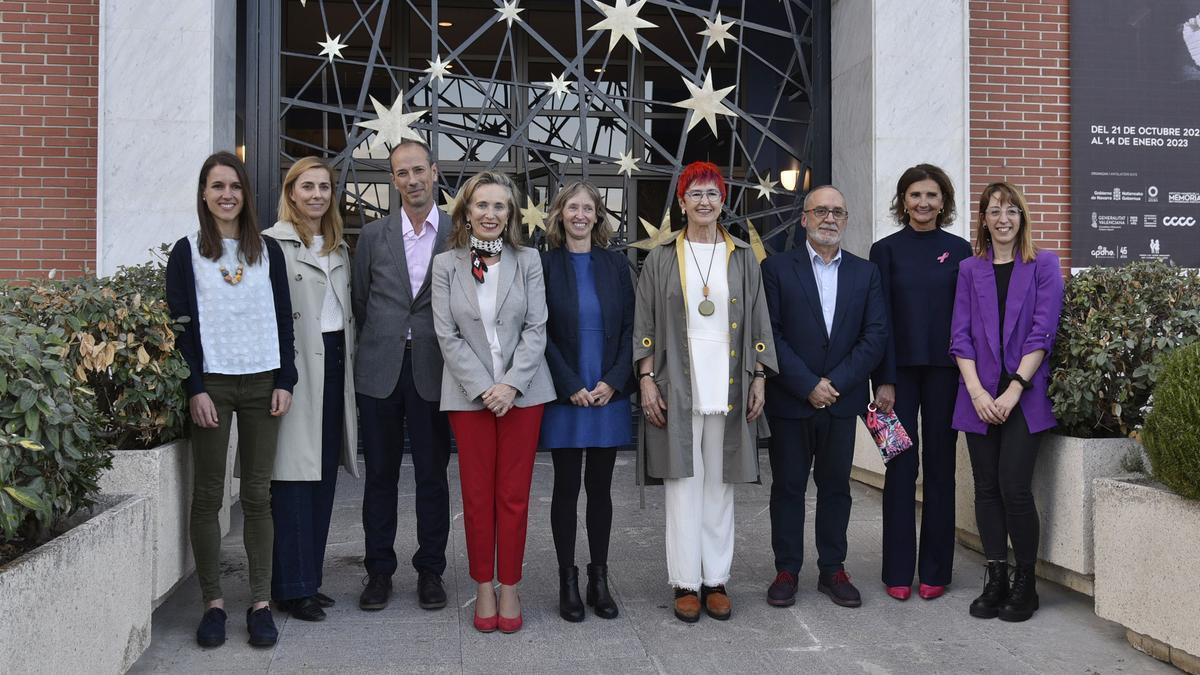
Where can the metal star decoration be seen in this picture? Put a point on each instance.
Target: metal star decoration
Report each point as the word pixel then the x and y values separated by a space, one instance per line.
pixel 559 85
pixel 332 47
pixel 622 19
pixel 393 124
pixel 509 12
pixel 627 164
pixel 766 187
pixel 705 103
pixel 438 69
pixel 717 32
pixel 532 216
pixel 304 3
pixel 657 236
pixel 449 202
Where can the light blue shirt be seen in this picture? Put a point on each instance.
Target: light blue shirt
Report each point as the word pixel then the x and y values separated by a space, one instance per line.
pixel 826 275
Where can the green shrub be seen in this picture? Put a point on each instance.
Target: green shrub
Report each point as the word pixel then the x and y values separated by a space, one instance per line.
pixel 50 459
pixel 1117 323
pixel 1170 433
pixel 122 346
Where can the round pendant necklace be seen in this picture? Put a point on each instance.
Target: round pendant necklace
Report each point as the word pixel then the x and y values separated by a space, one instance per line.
pixel 706 306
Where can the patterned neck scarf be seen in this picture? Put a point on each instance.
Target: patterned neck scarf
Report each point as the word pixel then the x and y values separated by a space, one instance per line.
pixel 479 250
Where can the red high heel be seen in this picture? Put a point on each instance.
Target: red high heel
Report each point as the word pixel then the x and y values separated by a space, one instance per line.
pixel 928 592
pixel 506 624
pixel 486 624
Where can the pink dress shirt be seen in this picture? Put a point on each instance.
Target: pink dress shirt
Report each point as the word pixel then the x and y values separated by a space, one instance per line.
pixel 418 249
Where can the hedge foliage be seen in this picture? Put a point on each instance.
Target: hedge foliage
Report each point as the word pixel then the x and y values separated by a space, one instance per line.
pixel 1170 435
pixel 1117 324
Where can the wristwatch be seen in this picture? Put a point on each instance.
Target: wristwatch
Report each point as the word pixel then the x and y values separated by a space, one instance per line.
pixel 649 373
pixel 1025 384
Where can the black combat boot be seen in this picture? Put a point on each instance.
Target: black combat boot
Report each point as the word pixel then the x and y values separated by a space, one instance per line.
pixel 995 591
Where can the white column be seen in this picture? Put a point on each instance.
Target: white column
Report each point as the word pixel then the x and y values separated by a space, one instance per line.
pixel 167 100
pixel 899 91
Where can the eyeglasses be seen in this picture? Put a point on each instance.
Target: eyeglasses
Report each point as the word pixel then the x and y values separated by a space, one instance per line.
pixel 822 212
pixel 696 196
pixel 1012 212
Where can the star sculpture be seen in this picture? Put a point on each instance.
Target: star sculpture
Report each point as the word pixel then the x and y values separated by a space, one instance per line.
pixel 705 103
pixel 622 19
pixel 449 201
pixel 532 216
pixel 393 124
pixel 559 85
pixel 627 164
pixel 304 3
pixel 766 187
pixel 332 47
pixel 509 12
pixel 717 32
pixel 438 69
pixel 657 235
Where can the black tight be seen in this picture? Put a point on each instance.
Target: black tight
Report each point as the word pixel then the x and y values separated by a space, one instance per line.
pixel 597 480
pixel 1002 461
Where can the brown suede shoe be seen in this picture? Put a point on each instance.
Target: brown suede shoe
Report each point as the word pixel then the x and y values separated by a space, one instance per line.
pixel 716 602
pixel 687 605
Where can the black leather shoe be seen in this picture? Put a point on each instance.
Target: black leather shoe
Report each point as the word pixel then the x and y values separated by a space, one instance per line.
pixel 430 593
pixel 782 591
pixel 1022 599
pixel 570 605
pixel 995 591
pixel 839 589
pixel 375 595
pixel 261 626
pixel 324 600
pixel 598 596
pixel 305 609
pixel 211 632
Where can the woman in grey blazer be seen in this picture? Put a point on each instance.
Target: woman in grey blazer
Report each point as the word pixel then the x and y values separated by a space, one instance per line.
pixel 489 312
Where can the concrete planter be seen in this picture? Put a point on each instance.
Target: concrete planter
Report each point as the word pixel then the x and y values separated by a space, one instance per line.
pixel 1147 543
pixel 164 476
pixel 81 602
pixel 1062 487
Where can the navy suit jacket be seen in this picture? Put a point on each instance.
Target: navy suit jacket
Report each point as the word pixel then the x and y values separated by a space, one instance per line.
pixel 806 351
pixel 614 287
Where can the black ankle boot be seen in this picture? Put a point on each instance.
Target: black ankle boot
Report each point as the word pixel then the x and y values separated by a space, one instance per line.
pixel 1022 598
pixel 995 591
pixel 570 607
pixel 598 596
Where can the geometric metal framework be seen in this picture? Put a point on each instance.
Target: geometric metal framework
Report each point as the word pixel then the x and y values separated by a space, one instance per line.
pixel 549 91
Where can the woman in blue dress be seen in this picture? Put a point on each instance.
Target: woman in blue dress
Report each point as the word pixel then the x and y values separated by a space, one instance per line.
pixel 589 293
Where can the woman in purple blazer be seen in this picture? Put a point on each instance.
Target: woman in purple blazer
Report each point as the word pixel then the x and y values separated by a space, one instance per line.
pixel 1006 309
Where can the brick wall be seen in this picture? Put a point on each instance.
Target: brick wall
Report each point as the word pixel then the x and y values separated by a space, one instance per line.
pixel 1021 109
pixel 48 81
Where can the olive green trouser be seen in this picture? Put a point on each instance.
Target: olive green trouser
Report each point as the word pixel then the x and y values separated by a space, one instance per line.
pixel 250 397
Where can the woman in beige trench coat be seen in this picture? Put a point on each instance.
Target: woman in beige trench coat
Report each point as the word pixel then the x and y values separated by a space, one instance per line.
pixel 323 431
pixel 700 302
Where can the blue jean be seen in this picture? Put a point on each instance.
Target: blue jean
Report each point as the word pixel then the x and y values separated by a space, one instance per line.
pixel 302 509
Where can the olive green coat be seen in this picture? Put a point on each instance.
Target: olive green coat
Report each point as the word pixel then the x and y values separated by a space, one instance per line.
pixel 660 328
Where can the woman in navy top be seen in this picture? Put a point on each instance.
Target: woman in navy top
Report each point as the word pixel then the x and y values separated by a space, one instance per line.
pixel 919 267
pixel 589 293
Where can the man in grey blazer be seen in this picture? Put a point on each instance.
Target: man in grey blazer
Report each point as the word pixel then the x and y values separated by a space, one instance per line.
pixel 398 377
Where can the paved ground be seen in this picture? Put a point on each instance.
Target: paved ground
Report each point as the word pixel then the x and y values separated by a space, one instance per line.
pixel 814 636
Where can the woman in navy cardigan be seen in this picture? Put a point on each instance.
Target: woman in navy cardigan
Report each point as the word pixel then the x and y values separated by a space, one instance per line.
pixel 589 349
pixel 227 286
pixel 918 266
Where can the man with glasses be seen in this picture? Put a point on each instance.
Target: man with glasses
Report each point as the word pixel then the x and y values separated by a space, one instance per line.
pixel 830 328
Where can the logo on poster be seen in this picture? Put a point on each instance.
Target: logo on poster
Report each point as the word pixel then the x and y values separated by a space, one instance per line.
pixel 1116 194
pixel 1178 221
pixel 1094 223
pixel 1183 197
pixel 1150 220
pixel 1133 220
pixel 1103 251
pixel 1154 247
pixel 1152 193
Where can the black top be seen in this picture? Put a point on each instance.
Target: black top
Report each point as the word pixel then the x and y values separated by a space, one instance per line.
pixel 919 271
pixel 183 306
pixel 613 278
pixel 1003 276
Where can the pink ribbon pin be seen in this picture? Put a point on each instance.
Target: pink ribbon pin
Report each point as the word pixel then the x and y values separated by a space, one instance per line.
pixel 942 258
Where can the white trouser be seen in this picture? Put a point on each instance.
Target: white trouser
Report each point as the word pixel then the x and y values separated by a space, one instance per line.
pixel 700 512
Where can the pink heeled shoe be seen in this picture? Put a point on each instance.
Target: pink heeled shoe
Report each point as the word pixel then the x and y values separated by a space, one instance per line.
pixel 928 592
pixel 487 624
pixel 900 593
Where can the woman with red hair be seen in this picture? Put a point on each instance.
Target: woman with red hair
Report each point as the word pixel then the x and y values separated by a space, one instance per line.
pixel 699 303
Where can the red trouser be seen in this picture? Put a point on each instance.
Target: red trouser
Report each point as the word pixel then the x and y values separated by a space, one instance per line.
pixel 495 465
